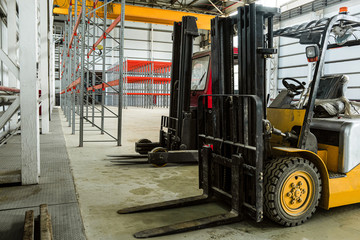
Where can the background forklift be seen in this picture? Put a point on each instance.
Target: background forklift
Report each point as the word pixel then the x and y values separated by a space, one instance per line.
pixel 278 160
pixel 190 78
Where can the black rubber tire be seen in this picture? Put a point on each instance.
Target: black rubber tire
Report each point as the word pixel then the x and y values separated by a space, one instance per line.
pixel 276 172
pixel 159 164
pixel 144 140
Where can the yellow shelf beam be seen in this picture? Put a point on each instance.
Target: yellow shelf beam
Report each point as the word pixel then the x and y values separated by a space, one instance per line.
pixel 148 15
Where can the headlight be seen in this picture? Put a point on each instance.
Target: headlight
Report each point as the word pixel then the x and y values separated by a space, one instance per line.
pixel 312 53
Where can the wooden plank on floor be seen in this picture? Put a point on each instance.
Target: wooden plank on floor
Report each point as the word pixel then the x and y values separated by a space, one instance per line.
pixel 29 225
pixel 45 223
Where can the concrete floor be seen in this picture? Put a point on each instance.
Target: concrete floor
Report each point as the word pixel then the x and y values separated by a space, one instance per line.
pixel 103 188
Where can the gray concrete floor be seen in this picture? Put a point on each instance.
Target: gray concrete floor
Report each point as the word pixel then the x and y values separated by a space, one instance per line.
pixel 103 188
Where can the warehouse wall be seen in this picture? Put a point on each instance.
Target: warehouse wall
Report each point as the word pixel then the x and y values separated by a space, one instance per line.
pixel 292 60
pixel 144 41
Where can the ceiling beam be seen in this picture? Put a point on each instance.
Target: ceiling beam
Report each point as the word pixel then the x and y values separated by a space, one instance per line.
pixel 150 15
pixel 194 1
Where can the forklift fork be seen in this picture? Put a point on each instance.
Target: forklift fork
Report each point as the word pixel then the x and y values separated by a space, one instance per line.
pixel 210 194
pixel 216 220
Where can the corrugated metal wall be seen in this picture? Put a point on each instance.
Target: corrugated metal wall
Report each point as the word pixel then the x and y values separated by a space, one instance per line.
pixel 143 41
pixel 292 60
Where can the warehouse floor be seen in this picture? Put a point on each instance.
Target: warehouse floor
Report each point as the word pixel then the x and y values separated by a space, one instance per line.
pixel 104 187
pixel 56 188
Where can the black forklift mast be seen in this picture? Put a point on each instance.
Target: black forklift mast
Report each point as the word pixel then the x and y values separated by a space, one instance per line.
pixel 232 148
pixel 180 86
pixel 254 48
pixel 230 127
pixel 222 56
pixel 186 119
pixel 175 70
pixel 180 89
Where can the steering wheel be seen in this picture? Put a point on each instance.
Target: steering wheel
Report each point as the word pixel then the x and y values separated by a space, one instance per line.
pixel 295 89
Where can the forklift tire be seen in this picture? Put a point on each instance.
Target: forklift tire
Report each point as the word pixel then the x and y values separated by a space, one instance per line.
pixel 292 190
pixel 143 140
pixel 160 163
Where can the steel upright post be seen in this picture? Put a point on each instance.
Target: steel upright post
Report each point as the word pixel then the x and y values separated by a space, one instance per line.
pixel 93 75
pixel 103 72
pixel 121 71
pixel 74 74
pixel 87 72
pixel 64 73
pixel 69 66
pixel 81 134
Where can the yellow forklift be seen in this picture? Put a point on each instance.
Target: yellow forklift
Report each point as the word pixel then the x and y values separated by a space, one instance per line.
pixel 279 161
pixel 314 143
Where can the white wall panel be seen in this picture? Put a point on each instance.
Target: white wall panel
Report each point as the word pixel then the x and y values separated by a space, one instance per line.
pixel 338 54
pixel 162 46
pixel 291 49
pixel 162 55
pixel 137 34
pixel 136 54
pixel 162 36
pixel 295 60
pixel 353 93
pixel 137 44
pixel 342 67
pixel 295 72
pixel 136 24
pixel 354 80
pixel 287 41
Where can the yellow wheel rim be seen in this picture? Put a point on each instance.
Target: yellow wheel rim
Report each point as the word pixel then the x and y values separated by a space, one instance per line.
pixel 159 149
pixel 297 193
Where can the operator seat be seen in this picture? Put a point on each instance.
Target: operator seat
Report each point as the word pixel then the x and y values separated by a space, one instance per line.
pixel 330 96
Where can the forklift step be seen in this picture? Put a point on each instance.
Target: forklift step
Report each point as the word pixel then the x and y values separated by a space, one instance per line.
pixel 336 175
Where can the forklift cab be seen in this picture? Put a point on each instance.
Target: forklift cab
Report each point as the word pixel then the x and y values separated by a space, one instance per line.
pixel 200 77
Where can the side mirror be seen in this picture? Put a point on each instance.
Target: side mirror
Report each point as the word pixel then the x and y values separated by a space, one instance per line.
pixel 312 53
